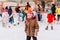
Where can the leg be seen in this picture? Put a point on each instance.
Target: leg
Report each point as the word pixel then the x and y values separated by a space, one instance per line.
pixel 9 19
pixel 8 25
pixel 58 17
pixel 1 15
pixel 28 38
pixel 34 38
pixel 22 18
pixel 38 17
pixel 47 27
pixel 12 20
pixel 51 26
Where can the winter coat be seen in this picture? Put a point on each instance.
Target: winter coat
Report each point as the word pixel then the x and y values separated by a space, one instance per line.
pixel 53 9
pixel 50 18
pixel 58 11
pixel 30 26
pixel 9 11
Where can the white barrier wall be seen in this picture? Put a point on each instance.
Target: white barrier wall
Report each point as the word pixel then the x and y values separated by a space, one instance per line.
pixel 9 4
pixel 2 0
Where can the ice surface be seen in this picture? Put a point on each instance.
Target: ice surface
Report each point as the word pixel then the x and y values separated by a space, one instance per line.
pixel 18 33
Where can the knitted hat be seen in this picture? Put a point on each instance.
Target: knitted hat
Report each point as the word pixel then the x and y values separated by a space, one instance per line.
pixel 49 11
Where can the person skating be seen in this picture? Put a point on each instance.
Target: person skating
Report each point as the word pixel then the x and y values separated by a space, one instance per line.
pixel 15 15
pixel 53 8
pixel 31 26
pixel 5 18
pixel 58 13
pixel 43 5
pixel 22 15
pixel 10 13
pixel 38 13
pixel 50 18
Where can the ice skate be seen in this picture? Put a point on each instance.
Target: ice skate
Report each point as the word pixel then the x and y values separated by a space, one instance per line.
pixel 51 27
pixel 14 24
pixel 18 23
pixel 46 28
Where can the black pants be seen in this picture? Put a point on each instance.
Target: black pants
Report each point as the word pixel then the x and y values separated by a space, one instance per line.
pixel 11 20
pixel 1 15
pixel 29 38
pixel 39 17
pixel 58 17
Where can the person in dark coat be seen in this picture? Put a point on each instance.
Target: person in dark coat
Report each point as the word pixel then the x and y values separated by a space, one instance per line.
pixel 43 5
pixel 10 13
pixel 38 13
pixel 53 8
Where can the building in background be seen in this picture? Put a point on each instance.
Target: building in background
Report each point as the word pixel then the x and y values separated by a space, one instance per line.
pixel 22 1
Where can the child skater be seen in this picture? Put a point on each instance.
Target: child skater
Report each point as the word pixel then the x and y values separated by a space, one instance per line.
pixel 5 18
pixel 50 18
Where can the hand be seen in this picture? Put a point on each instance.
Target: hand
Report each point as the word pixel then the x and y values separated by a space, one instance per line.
pixel 36 32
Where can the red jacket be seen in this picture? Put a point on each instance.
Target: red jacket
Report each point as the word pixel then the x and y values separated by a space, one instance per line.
pixel 50 18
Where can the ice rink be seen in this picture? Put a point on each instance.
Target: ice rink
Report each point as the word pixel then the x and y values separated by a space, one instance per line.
pixel 18 33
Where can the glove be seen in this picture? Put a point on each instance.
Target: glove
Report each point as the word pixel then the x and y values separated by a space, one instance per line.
pixel 36 32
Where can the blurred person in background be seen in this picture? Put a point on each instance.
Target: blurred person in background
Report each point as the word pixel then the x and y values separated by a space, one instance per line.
pixel 11 20
pixel 43 5
pixel 38 13
pixel 5 18
pixel 16 15
pixel 50 19
pixel 22 14
pixel 53 8
pixel 58 13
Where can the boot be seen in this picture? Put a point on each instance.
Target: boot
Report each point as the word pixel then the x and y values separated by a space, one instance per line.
pixel 14 24
pixel 4 25
pixel 51 27
pixel 46 28
pixel 18 23
pixel 9 26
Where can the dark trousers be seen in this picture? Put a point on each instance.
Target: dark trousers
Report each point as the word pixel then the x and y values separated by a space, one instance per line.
pixel 11 20
pixel 58 17
pixel 29 38
pixel 1 15
pixel 39 17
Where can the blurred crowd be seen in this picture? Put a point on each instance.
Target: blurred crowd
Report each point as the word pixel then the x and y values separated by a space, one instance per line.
pixel 30 16
pixel 14 16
